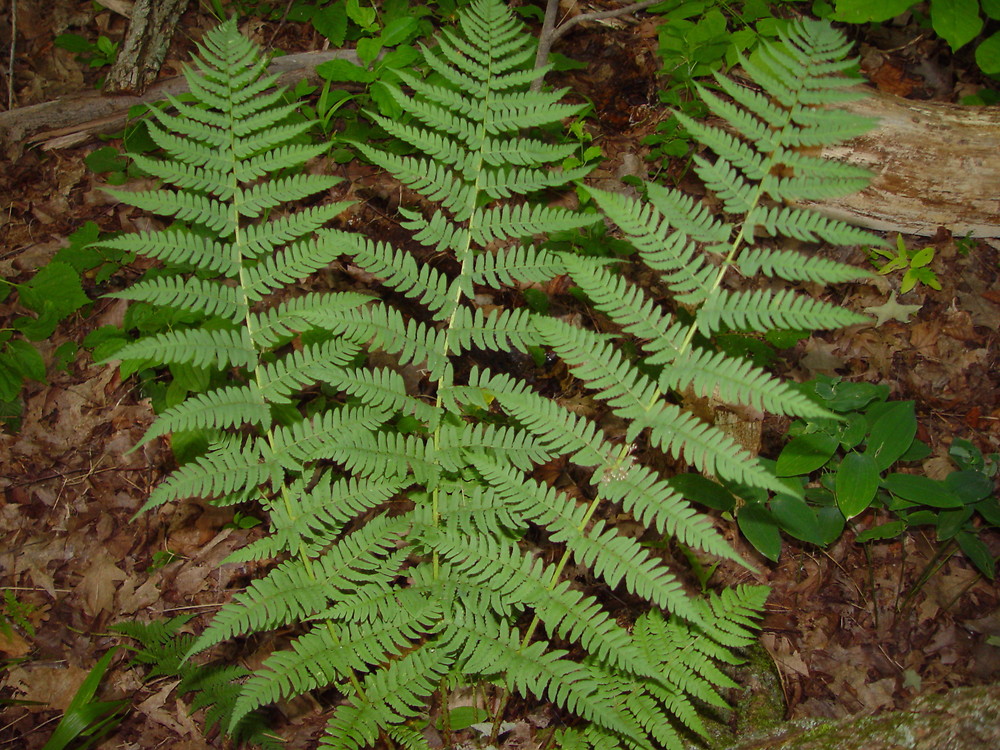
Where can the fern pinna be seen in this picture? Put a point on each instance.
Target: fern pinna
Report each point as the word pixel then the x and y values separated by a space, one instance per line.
pixel 404 564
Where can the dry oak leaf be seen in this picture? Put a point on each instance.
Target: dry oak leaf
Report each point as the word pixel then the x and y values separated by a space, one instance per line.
pixel 52 686
pixel 12 645
pixel 98 585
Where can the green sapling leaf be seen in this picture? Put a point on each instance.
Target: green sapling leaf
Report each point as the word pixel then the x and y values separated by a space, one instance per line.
pixel 805 454
pixel 54 293
pixel 882 531
pixel 856 484
pixel 761 530
pixel 865 11
pixel 331 22
pixel 892 433
pixel 988 54
pixel 977 551
pixel 956 21
pixel 921 491
pixel 797 518
pixel 969 486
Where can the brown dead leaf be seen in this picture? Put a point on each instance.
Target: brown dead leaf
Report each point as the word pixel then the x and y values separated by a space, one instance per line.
pixel 892 79
pixel 35 558
pixel 820 359
pixel 174 716
pixel 784 654
pixel 12 645
pixel 192 579
pixel 98 585
pixel 878 694
pixel 51 685
pixel 132 599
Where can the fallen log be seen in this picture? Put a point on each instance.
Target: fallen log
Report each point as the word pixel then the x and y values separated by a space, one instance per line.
pixel 935 164
pixel 960 719
pixel 72 120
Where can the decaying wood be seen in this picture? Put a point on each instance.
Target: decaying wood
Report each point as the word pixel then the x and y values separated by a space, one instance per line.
pixel 935 165
pixel 75 119
pixel 149 33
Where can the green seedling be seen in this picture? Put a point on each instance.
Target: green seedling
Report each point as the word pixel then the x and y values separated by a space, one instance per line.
pixel 86 721
pixel 96 55
pixel 860 457
pixel 915 263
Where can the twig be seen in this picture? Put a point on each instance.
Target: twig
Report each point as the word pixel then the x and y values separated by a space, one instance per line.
pixel 600 15
pixel 551 33
pixel 10 62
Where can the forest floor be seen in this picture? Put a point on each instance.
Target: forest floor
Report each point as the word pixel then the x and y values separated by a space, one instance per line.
pixel 849 628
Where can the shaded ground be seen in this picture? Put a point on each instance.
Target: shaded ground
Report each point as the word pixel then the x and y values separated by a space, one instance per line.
pixel 846 627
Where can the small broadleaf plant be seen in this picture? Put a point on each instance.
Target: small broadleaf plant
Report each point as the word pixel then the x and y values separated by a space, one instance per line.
pixel 412 561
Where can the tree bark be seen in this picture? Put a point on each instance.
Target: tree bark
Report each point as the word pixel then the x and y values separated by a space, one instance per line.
pixel 150 30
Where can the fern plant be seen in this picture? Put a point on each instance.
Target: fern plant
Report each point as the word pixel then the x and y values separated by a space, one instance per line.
pixel 404 556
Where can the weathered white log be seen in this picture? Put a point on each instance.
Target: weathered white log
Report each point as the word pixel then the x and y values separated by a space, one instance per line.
pixel 935 165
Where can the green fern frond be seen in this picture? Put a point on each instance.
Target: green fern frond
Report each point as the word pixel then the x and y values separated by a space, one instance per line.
pixel 281 322
pixel 218 409
pixel 178 246
pixel 809 227
pixel 384 389
pixel 489 646
pixel 315 363
pixel 613 557
pixel 400 479
pixel 231 465
pixel 388 455
pixel 384 327
pixel 520 263
pixel 656 505
pixel 500 330
pixel 764 310
pixel 285 157
pixel 297 589
pixel 512 446
pixel 187 177
pixel 564 431
pixel 259 198
pixel 627 305
pixel 734 381
pixel 565 612
pixel 329 653
pixel 191 294
pixel 308 440
pixel 398 269
pixel 292 264
pixel 262 239
pixel 209 213
pixel 522 220
pixel 204 347
pixel 390 696
pixel 308 516
pixel 184 151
